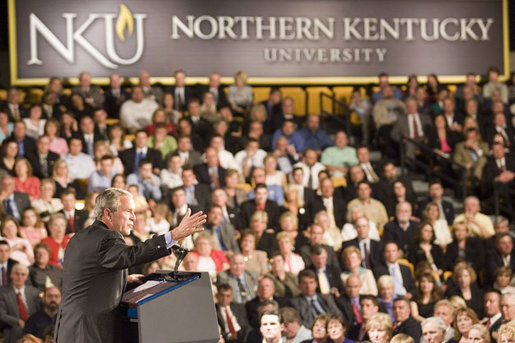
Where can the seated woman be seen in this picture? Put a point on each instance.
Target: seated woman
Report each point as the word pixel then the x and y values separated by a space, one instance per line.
pixel 319 329
pixel 336 329
pixel 332 235
pixel 285 282
pixel 502 282
pixel 465 318
pixel 265 237
pixel 465 248
pixel 293 262
pixel 379 328
pixel 288 223
pixel 117 141
pixel 6 127
pixel 240 95
pixel 442 140
pixel 273 175
pixel 69 125
pixel 426 250
pixel 63 181
pixel 399 195
pixel 35 123
pixel 41 274
pixel 386 293
pixel 32 230
pixel 295 204
pixel 427 297
pixel 159 117
pixel 235 195
pixel 172 115
pixel 47 204
pixel 255 260
pixel 351 258
pixel 21 250
pixel 432 215
pixel 349 231
pixel 209 260
pixel 162 141
pixel 24 181
pixel 58 144
pixel 8 155
pixel 465 279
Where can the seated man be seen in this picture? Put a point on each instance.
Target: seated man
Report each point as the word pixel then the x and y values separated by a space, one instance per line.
pixel 197 194
pixel 80 165
pixel 260 203
pixel 337 159
pixel 402 230
pixel 372 208
pixel 404 283
pixel 404 322
pixel 310 304
pixel 136 113
pixel 275 192
pixel 479 224
pixel 368 307
pixel 294 137
pixel 149 184
pixel 471 154
pixel 232 316
pixel 314 137
pixel 101 179
pixel 311 168
pixel 249 158
pixel 42 320
pixel 294 331
pixel 328 276
pixel 243 282
pixel 503 255
pixel 434 330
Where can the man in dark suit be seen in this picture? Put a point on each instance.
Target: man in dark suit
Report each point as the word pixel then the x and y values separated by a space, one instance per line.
pixel 131 157
pixel 197 194
pixel 308 194
pixel 332 202
pixel 232 317
pixel 92 94
pixel 102 129
pixel 115 95
pixel 328 276
pixel 231 215
pixel 493 310
pixel 260 203
pixel 88 135
pixel 95 268
pixel 286 113
pixel 309 304
pixel 384 188
pixel 404 322
pixel 348 302
pixel 368 307
pixel 17 302
pixel 371 251
pixel 503 127
pixel 181 93
pixel 211 173
pixel 404 283
pixel 200 125
pixel 12 203
pixel 216 88
pixel 42 160
pixel 6 263
pixel 13 104
pixel 26 144
pixel 316 236
pixel 179 205
pixel 273 107
pixel 435 195
pixel 75 218
pixel 243 282
pixel 503 255
pixel 401 230
pixel 154 93
pixel 222 232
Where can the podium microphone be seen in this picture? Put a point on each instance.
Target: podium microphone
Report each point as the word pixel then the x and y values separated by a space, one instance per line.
pixel 180 253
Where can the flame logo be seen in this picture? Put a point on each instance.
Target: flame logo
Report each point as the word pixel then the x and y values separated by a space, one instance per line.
pixel 125 20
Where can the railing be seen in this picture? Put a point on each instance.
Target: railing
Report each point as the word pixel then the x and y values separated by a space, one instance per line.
pixel 340 113
pixel 461 181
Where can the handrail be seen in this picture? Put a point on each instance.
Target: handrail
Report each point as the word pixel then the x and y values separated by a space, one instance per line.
pixel 346 111
pixel 429 167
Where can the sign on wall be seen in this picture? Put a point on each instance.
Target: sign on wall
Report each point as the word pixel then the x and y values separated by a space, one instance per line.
pixel 274 41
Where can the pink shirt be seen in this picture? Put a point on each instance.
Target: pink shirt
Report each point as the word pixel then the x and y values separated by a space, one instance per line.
pixel 59 146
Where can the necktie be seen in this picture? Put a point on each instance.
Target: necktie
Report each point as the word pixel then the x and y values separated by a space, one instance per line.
pixel 219 235
pixel 214 178
pixel 322 282
pixel 372 174
pixel 355 309
pixel 501 167
pixel 474 154
pixel 8 207
pixel 4 276
pixel 399 287
pixel 315 308
pixel 17 114
pixel 44 167
pixel 488 324
pixel 310 179
pixel 139 156
pixel 71 221
pixel 367 256
pixel 415 128
pixel 91 151
pixel 241 288
pixel 230 324
pixel 24 315
pixel 395 326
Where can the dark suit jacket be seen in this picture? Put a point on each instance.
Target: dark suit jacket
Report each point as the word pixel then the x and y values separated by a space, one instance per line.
pixel 416 255
pixel 202 173
pixel 203 196
pixel 405 239
pixel 95 275
pixel 433 141
pixel 332 259
pixel 249 207
pixel 409 327
pixel 128 158
pixel 493 261
pixel 491 131
pixel 241 316
pixel 401 127
pixel 345 306
pixel 194 158
pixel 253 313
pixel 79 217
pixel 251 280
pixel 112 104
pixel 491 171
pixel 339 208
pixel 9 313
pixel 448 209
pixel 97 136
pixel 306 313
pixel 10 265
pixel 189 93
pixel 407 278
pixel 22 202
pixel 29 144
pixel 376 251
pixel 333 275
pixel 51 158
pixel 474 254
pixel 222 98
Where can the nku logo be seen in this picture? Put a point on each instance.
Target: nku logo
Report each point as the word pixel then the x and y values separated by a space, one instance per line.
pixel 125 20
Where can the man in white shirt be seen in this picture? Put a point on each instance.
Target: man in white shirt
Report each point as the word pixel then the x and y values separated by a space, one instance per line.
pixel 311 168
pixel 136 113
pixel 172 176
pixel 252 156
pixel 226 159
pixel 493 319
pixel 80 165
pixel 363 155
pixel 152 93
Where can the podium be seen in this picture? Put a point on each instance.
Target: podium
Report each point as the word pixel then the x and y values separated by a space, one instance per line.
pixel 171 308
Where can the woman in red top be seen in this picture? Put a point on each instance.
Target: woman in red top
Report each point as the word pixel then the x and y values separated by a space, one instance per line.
pixel 57 240
pixel 209 259
pixel 24 181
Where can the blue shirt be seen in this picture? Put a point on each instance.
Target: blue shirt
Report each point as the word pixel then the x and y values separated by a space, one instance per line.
pixel 317 141
pixel 295 139
pixel 146 188
pixel 98 182
pixel 275 193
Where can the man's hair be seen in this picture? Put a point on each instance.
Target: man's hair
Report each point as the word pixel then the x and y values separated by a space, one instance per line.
pixel 289 315
pixel 435 320
pixel 260 185
pixel 19 266
pixel 110 199
pixel 55 217
pixel 41 246
pixel 5 243
pixel 307 273
pixel 144 161
pixel 370 297
pixel 316 249
pixel 402 299
pixel 69 191
pixel 224 287
pixel 271 313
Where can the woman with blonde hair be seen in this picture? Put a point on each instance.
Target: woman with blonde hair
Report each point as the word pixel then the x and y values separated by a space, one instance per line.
pixel 506 333
pixel 255 260
pixel 402 338
pixel 441 228
pixel 336 329
pixel 351 257
pixel 386 293
pixel 21 249
pixel 288 222
pixel 265 237
pixel 464 319
pixel 379 328
pixel 235 195
pixel 209 259
pixel 332 235
pixel 47 205
pixel 295 204
pixel 293 262
pixel 478 333
pixel 273 175
pixel 62 180
pixel 465 279
pixel 240 95
pixel 24 181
